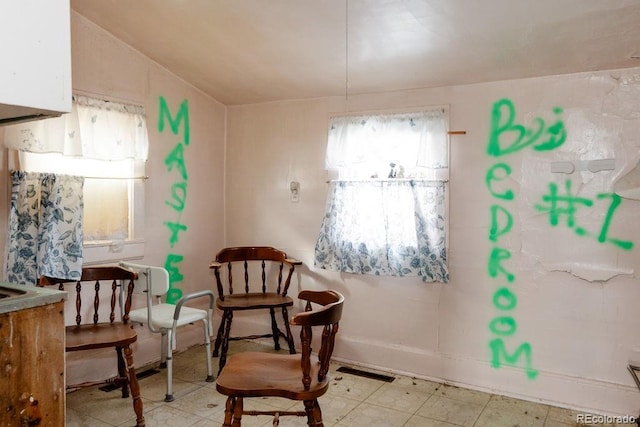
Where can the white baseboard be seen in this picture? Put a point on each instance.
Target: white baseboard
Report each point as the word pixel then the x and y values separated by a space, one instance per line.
pixel 580 394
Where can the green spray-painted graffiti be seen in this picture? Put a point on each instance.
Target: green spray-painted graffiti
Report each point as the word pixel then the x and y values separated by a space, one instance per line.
pixel 539 136
pixel 504 299
pixel 508 137
pixel 178 196
pixel 498 255
pixel 501 356
pixel 567 205
pixel 499 172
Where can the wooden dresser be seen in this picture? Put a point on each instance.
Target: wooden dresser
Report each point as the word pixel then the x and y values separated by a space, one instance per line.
pixel 32 376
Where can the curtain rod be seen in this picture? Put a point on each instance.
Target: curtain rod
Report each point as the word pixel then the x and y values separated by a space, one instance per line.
pixel 387 180
pixel 145 177
pixel 124 177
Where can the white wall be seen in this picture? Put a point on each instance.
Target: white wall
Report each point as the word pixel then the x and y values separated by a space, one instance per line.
pixel 581 332
pixel 576 296
pixel 105 67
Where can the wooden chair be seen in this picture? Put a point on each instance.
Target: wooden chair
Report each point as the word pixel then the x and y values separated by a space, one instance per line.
pixel 164 319
pixel 303 377
pixel 87 334
pixel 265 293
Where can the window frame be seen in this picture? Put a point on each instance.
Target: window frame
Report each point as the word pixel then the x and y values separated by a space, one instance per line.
pixel 102 251
pixel 438 175
pixel 107 251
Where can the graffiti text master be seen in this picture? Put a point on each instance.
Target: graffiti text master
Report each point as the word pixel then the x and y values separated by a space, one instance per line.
pixel 175 160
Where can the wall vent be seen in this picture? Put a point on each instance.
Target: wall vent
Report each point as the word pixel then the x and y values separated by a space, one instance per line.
pixel 366 374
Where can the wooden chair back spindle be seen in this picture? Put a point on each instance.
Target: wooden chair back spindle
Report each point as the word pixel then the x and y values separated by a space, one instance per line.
pixel 92 333
pixel 328 317
pixel 302 377
pixel 259 265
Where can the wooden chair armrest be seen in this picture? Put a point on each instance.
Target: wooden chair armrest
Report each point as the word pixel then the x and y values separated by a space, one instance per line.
pixel 216 266
pixel 323 298
pixel 293 261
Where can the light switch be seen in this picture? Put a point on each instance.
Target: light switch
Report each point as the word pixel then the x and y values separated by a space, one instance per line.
pixel 294 187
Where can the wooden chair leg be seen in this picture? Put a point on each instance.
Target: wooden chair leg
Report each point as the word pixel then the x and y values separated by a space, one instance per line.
pixel 135 387
pixel 122 373
pixel 314 414
pixel 274 329
pixel 237 413
pixel 292 345
pixel 216 345
pixel 227 319
pixel 228 411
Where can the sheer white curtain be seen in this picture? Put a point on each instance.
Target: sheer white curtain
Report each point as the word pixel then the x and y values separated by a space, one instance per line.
pixel 384 216
pixel 363 146
pixel 95 129
pixel 386 228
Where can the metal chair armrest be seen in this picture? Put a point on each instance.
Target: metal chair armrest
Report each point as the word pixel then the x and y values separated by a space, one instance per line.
pixel 190 297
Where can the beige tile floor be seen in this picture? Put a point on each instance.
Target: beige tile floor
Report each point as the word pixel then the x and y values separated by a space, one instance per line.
pixel 352 401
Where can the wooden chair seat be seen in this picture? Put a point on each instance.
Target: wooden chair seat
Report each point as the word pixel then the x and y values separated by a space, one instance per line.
pixel 302 377
pixel 95 327
pixel 254 374
pixel 85 337
pixel 253 301
pixel 262 286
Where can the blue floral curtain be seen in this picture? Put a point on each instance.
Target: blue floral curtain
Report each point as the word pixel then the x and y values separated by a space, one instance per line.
pixel 45 227
pixel 385 227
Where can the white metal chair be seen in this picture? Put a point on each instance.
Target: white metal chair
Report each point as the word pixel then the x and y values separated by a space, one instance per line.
pixel 164 318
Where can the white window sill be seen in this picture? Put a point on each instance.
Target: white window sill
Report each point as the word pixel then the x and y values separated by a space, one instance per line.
pixel 109 252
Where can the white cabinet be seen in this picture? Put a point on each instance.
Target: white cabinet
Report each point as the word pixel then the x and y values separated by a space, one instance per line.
pixel 35 59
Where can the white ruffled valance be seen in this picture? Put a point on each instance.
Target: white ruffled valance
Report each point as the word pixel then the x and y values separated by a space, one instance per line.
pixel 369 143
pixel 95 129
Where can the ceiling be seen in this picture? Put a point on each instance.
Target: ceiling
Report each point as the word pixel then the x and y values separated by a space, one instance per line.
pixel 251 51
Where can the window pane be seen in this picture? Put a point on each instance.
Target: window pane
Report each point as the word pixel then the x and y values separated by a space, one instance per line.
pixel 106 201
pixel 387 213
pixel 106 209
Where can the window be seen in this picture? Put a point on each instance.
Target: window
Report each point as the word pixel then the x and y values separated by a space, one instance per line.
pixel 106 143
pixel 386 212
